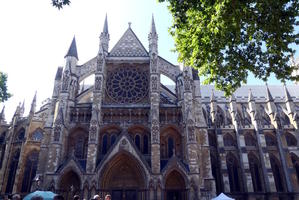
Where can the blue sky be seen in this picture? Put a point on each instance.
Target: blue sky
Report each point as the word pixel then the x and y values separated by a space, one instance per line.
pixel 35 37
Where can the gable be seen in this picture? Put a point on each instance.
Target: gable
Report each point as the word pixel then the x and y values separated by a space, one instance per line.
pixel 128 46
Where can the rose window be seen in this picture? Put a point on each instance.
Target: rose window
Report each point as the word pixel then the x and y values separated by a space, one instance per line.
pixel 127 85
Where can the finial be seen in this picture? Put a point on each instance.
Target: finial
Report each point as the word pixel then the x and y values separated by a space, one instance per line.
pixel 129 24
pixel 153 26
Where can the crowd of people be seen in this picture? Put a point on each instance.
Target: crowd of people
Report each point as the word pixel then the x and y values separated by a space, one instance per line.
pixel 57 197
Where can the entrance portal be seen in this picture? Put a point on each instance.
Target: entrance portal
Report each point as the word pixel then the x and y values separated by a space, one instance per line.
pixel 175 187
pixel 124 178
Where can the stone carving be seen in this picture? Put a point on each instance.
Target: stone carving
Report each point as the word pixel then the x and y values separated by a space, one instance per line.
pixel 57 131
pixel 65 82
pixel 154 62
pixel 98 83
pixel 154 80
pixel 100 62
pixel 93 130
pixel 155 131
pixel 187 83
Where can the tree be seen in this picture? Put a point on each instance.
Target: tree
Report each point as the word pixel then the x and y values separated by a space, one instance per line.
pixel 4 95
pixel 60 3
pixel 226 39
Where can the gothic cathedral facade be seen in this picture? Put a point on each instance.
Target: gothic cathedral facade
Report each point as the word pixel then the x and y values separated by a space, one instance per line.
pixel 133 137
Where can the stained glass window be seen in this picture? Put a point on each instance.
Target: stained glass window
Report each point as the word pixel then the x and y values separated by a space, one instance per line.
pixel 127 85
pixel 30 171
pixel 37 136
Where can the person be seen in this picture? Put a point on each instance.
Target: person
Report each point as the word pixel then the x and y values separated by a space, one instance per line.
pixel 97 197
pixel 58 197
pixel 16 197
pixel 108 197
pixel 76 197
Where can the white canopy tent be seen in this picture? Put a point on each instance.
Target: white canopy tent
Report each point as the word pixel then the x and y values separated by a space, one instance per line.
pixel 222 197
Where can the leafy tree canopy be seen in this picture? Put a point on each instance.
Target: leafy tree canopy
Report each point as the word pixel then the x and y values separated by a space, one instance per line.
pixel 60 3
pixel 227 39
pixel 4 95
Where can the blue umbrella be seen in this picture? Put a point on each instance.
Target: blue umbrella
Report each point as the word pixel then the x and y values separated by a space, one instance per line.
pixel 47 195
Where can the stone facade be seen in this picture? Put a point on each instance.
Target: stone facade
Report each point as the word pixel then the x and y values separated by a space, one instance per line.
pixel 133 137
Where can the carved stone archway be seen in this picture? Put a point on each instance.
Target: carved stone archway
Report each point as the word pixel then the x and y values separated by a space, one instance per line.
pixel 123 177
pixel 175 186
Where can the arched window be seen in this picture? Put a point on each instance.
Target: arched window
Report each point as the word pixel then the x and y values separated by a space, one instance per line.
pixel 212 139
pixel 20 135
pixel 2 148
pixel 113 138
pixel 295 161
pixel 233 174
pixel 37 135
pixel 30 171
pixel 137 141
pixel 228 140
pixel 290 139
pixel 250 140
pixel 256 174
pixel 12 171
pixel 145 144
pixel 270 140
pixel 216 173
pixel 277 173
pixel 79 147
pixel 104 144
pixel 170 147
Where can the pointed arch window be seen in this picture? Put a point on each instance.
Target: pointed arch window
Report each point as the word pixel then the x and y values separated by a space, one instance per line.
pixel 145 144
pixel 12 171
pixel 233 174
pixel 113 138
pixel 229 140
pixel 270 140
pixel 20 135
pixel 250 140
pixel 256 175
pixel 104 144
pixel 277 173
pixel 37 135
pixel 2 148
pixel 30 171
pixel 137 141
pixel 170 146
pixel 290 139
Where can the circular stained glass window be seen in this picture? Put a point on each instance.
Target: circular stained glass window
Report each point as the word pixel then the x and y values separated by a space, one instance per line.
pixel 127 85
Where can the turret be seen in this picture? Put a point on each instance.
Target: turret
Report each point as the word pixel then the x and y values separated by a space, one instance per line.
pixel 105 37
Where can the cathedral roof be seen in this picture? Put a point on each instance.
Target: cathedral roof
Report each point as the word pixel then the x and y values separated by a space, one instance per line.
pixel 128 46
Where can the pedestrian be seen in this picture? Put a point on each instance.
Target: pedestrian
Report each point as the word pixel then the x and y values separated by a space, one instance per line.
pixel 76 197
pixel 108 197
pixel 16 197
pixel 37 197
pixel 96 197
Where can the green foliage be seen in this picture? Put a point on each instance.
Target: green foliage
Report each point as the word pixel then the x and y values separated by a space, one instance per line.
pixel 226 39
pixel 60 3
pixel 4 95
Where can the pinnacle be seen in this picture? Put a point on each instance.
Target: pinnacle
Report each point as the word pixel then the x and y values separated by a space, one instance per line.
pixel 153 26
pixel 105 28
pixel 73 49
pixel 269 96
pixel 250 96
pixel 287 94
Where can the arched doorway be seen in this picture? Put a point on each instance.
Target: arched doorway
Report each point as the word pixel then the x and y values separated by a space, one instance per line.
pixel 124 178
pixel 175 187
pixel 69 184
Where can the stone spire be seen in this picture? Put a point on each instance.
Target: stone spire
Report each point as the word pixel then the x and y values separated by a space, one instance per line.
pixel 105 37
pixel 269 96
pixel 72 52
pixel 33 105
pixel 288 97
pixel 22 108
pixel 153 38
pixel 2 116
pixel 105 28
